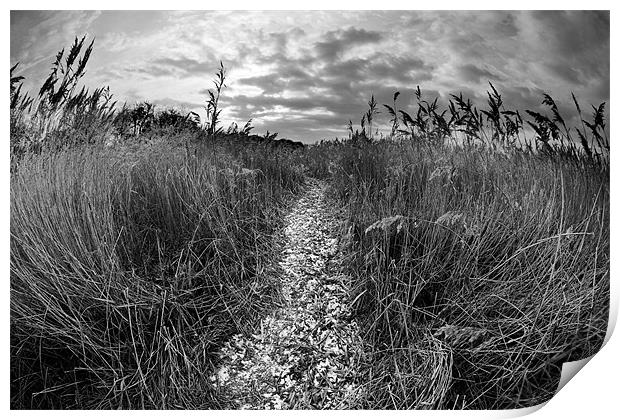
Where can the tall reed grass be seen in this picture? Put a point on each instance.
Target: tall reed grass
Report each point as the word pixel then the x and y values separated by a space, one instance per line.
pixel 130 265
pixel 479 258
pixel 60 115
pixel 476 274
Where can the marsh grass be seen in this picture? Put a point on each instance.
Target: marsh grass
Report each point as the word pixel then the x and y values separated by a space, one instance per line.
pixel 60 115
pixel 128 268
pixel 478 249
pixel 494 265
pixel 132 260
pixel 494 126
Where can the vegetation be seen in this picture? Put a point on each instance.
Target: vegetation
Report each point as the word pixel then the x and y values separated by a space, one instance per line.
pixel 59 115
pixel 477 243
pixel 131 264
pixel 475 274
pixel 480 263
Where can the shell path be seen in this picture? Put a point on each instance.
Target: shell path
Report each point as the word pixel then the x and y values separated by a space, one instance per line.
pixel 303 355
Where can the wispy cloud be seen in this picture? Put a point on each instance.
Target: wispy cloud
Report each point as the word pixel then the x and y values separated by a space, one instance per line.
pixel 185 66
pixel 473 73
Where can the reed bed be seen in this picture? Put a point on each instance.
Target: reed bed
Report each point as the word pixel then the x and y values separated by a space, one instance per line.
pixel 493 265
pixel 129 266
pixel 477 242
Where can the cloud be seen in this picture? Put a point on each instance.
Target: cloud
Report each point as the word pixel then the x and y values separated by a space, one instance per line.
pixel 114 41
pixel 43 33
pixel 185 65
pixel 269 83
pixel 473 73
pixel 576 40
pixel 288 76
pixel 565 71
pixel 507 26
pixel 337 42
pixel 400 69
pixel 306 73
pixel 280 40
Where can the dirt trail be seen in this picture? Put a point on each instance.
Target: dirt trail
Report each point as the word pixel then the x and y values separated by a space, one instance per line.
pixel 304 354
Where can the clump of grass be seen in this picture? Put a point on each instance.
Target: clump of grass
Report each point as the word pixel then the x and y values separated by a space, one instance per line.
pixel 495 126
pixel 129 266
pixel 212 108
pixel 61 115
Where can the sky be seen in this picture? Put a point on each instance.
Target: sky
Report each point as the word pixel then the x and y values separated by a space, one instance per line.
pixel 305 74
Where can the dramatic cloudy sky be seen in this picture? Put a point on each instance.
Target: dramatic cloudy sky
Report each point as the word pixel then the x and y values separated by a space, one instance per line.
pixel 305 74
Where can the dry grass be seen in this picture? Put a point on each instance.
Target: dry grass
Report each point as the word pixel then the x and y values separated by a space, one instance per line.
pixel 494 265
pixel 479 257
pixel 129 266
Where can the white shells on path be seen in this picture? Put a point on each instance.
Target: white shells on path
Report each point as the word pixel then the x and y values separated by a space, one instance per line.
pixel 305 353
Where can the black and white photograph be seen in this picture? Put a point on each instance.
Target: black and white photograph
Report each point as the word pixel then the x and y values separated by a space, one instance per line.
pixel 305 209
